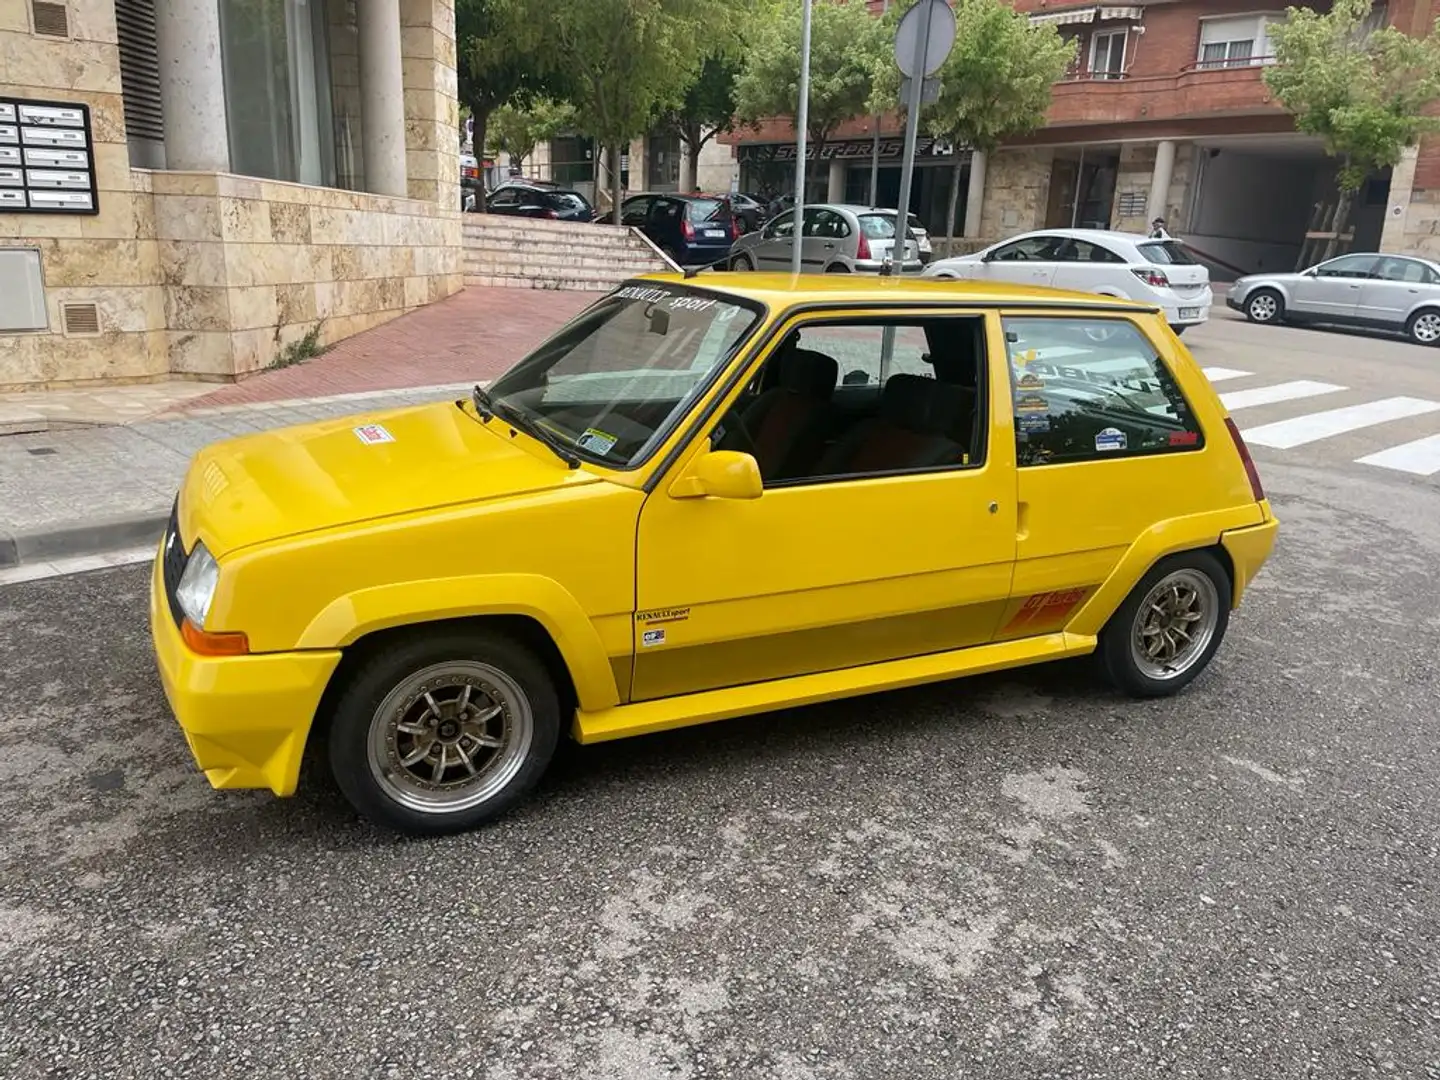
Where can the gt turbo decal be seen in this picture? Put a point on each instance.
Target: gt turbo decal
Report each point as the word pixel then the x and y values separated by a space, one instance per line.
pixel 1046 607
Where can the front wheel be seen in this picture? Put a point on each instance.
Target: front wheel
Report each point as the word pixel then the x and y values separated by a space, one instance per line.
pixel 1169 627
pixel 441 733
pixel 741 262
pixel 1424 328
pixel 1265 306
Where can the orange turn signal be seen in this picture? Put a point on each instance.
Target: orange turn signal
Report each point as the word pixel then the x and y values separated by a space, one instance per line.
pixel 213 644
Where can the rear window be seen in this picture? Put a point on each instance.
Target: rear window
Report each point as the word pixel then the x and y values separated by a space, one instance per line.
pixel 570 200
pixel 704 209
pixel 877 226
pixel 1167 252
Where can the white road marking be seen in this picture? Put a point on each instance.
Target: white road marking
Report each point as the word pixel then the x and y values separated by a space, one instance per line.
pixel 1421 457
pixel 1271 395
pixel 78 564
pixel 1220 374
pixel 1323 425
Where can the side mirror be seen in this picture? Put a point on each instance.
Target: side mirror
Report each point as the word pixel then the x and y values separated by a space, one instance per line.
pixel 720 474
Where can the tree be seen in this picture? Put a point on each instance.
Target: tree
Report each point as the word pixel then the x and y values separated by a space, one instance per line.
pixel 707 110
pixel 500 56
pixel 1363 90
pixel 846 43
pixel 994 85
pixel 630 61
pixel 515 129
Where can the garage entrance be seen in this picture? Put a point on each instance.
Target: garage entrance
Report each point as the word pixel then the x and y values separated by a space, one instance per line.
pixel 1252 201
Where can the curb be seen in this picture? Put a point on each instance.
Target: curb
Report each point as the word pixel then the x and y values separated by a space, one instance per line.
pixel 90 538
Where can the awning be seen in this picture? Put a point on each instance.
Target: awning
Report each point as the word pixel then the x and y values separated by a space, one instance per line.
pixel 1087 14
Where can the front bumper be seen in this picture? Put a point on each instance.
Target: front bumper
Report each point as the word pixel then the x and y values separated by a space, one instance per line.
pixel 246 718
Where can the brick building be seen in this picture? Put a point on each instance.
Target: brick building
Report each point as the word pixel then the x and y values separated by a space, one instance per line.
pixel 1164 114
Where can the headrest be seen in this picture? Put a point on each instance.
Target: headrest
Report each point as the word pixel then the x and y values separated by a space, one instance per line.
pixel 923 405
pixel 812 374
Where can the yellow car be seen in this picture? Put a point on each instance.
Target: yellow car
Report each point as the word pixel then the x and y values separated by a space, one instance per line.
pixel 703 498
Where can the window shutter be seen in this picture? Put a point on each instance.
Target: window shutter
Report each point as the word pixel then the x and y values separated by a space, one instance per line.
pixel 140 69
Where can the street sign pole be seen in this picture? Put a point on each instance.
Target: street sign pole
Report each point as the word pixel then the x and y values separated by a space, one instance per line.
pixel 923 40
pixel 802 119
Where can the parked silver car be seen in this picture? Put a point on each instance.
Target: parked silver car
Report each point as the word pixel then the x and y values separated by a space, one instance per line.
pixel 837 239
pixel 1384 292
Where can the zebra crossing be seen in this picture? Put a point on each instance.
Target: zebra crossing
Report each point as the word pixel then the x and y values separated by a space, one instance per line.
pixel 1372 421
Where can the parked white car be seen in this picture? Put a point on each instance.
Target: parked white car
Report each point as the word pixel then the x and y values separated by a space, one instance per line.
pixel 1130 266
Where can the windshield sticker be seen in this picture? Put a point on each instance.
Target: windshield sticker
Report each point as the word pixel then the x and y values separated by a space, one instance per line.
pixel 371 434
pixel 595 441
pixel 1031 381
pixel 1032 403
pixel 1034 425
pixel 1020 359
pixel 1110 439
pixel 652 637
pixel 671 301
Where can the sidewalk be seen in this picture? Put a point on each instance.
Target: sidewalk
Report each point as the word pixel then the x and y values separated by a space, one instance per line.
pixel 104 475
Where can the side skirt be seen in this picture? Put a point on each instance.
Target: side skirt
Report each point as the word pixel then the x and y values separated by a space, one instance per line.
pixel 646 717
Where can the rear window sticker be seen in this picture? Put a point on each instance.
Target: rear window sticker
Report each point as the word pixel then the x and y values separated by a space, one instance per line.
pixel 1032 403
pixel 596 441
pixel 1034 424
pixel 371 434
pixel 1184 438
pixel 1110 439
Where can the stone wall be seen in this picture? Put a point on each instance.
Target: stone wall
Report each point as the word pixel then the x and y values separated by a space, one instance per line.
pixel 1137 167
pixel 1017 186
pixel 250 266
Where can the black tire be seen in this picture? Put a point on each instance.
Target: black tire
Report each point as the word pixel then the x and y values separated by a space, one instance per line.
pixel 837 268
pixel 1178 330
pixel 1117 654
pixel 742 262
pixel 386 671
pixel 1422 327
pixel 1257 310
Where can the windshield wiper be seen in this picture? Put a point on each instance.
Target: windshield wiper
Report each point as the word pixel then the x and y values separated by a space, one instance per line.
pixel 533 428
pixel 483 407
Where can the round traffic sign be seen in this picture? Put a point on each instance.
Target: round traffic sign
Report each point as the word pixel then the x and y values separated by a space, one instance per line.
pixel 941 40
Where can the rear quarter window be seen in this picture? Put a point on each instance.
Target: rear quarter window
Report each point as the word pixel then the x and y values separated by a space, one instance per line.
pixel 1093 389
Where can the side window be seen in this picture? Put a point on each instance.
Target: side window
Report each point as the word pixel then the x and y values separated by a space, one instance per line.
pixel 1348 266
pixel 1404 270
pixel 635 211
pixel 782 226
pixel 1032 248
pixel 505 197
pixel 843 400
pixel 1094 253
pixel 1092 389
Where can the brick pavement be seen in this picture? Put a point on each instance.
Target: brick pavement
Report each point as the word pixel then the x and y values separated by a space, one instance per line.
pixel 474 335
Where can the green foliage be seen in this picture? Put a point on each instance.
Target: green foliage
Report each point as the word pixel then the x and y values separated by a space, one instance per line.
pixel 996 82
pixel 1363 93
pixel 500 54
pixel 846 47
pixel 301 349
pixel 515 129
pixel 708 106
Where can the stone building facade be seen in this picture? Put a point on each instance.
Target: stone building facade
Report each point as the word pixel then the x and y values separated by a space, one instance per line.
pixel 263 170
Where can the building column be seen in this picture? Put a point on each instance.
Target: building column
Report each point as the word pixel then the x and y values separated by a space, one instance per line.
pixel 1160 182
pixel 835 191
pixel 975 195
pixel 382 97
pixel 1397 204
pixel 192 85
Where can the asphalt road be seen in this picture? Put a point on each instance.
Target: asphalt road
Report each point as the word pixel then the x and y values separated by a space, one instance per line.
pixel 1011 877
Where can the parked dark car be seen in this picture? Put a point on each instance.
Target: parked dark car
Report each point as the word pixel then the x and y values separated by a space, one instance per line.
pixel 528 200
pixel 692 230
pixel 751 211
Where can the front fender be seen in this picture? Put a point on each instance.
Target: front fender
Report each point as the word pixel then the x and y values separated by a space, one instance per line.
pixel 349 618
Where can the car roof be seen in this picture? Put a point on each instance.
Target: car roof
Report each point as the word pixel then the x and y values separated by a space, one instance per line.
pixel 787 290
pixel 1097 235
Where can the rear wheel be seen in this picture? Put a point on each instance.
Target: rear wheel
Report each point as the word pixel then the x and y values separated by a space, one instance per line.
pixel 441 733
pixel 741 262
pixel 1265 306
pixel 1424 328
pixel 1169 627
pixel 837 268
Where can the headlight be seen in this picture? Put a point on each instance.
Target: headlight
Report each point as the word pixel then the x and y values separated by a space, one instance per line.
pixel 197 585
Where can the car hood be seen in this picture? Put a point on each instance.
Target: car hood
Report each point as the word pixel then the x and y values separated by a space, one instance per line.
pixel 360 468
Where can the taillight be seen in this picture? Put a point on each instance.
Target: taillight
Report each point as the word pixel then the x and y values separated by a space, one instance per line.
pixel 734 227
pixel 551 214
pixel 686 229
pixel 1250 471
pixel 1150 276
pixel 862 249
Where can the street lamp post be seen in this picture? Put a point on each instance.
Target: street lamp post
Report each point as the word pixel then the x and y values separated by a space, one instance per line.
pixel 802 120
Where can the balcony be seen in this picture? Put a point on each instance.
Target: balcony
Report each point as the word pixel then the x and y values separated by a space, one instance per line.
pixel 1198 90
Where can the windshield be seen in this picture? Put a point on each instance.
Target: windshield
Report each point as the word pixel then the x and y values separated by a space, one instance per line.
pixel 614 381
pixel 878 226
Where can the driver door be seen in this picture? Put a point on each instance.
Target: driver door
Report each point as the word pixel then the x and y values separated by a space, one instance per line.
pixel 773 252
pixel 1031 260
pixel 1333 288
